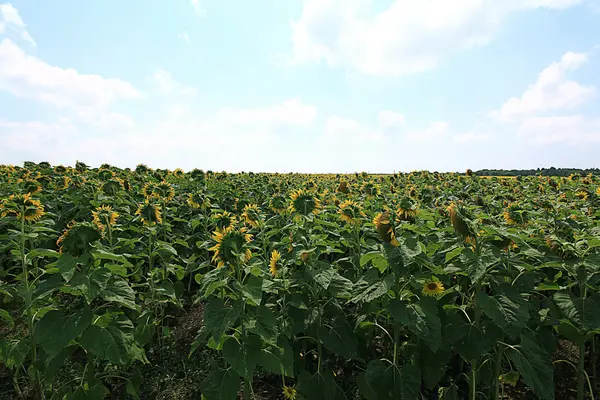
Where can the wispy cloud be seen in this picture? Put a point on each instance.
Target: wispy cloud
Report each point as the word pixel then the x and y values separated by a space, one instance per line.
pixel 198 7
pixel 184 36
pixel 11 21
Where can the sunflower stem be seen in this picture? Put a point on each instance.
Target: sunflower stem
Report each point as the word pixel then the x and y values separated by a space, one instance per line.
pixel 498 366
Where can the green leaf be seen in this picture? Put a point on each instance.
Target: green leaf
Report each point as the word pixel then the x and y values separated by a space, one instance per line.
pixel 117 269
pixel 319 386
pixel 534 364
pixel 324 275
pixel 340 338
pixel 433 365
pixel 377 258
pixel 114 342
pixel 55 330
pixel 252 290
pixel 221 385
pixel 453 254
pixel 340 287
pixel 581 312
pixel 99 254
pixel 243 359
pixel 6 317
pixel 264 323
pixel 421 318
pixel 219 317
pixel 383 381
pixel 118 291
pixel 509 311
pixel 370 286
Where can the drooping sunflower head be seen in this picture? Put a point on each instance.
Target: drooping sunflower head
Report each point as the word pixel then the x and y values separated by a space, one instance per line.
pixel 231 246
pixel 277 203
pixel 458 221
pixel 78 238
pixel 62 182
pixel 304 203
pixel 343 187
pixel 105 174
pixel 351 212
pixel 112 187
pixel 198 175
pixel 60 169
pixel 371 189
pixel 251 214
pixel 515 214
pixel 149 190
pixel 142 169
pixel 407 211
pixel 240 204
pixel 198 200
pixel 149 213
pixel 31 187
pixel 385 229
pixel 274 262
pixel 164 190
pixel 104 216
pixel 178 173
pixel 224 219
pixel 22 206
pixel 433 288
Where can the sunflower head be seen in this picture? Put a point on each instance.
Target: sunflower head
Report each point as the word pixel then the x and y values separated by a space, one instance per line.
pixel 515 214
pixel 104 216
pixel 304 203
pixel 385 228
pixel 407 211
pixel 178 173
pixel 112 186
pixel 164 190
pixel 60 169
pixel 198 200
pixel 22 205
pixel 231 246
pixel 31 187
pixel 458 221
pixel 142 169
pixel 149 213
pixel 78 238
pixel 290 392
pixel 149 190
pixel 224 219
pixel 371 189
pixel 350 212
pixel 277 203
pixel 433 288
pixel 251 215
pixel 273 262
pixel 105 174
pixel 343 187
pixel 582 195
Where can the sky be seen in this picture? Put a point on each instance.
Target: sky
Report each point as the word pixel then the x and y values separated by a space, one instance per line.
pixel 301 85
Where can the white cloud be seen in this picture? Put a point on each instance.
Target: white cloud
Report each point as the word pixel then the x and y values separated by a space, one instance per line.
pixel 570 129
pixel 200 11
pixel 166 84
pixel 434 131
pixel 28 77
pixel 551 92
pixel 185 37
pixel 471 137
pixel 292 112
pixel 389 119
pixel 406 37
pixel 10 21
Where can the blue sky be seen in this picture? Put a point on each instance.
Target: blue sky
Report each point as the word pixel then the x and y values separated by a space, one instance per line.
pixel 301 85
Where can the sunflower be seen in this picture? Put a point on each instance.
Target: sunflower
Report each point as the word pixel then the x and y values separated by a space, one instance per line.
pixel 407 211
pixel 433 288
pixel 105 174
pixel 78 238
pixel 112 186
pixel 514 214
pixel 198 200
pixel 277 204
pixel 31 187
pixel 63 182
pixel 17 205
pixel 251 214
pixel 273 268
pixel 230 244
pixel 224 219
pixel 149 213
pixel 304 203
pixel 343 187
pixel 458 222
pixel 290 392
pixel 149 190
pixel 350 212
pixel 582 195
pixel 385 229
pixel 104 216
pixel 178 173
pixel 371 189
pixel 164 191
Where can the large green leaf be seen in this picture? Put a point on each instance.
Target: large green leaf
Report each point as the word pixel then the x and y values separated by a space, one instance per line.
pixel 581 312
pixel 370 286
pixel 339 337
pixel 56 329
pixel 221 385
pixel 113 342
pixel 433 365
pixel 118 291
pixel 508 310
pixel 264 323
pixel 323 275
pixel 421 318
pixel 384 381
pixel 535 366
pixel 218 317
pixel 252 290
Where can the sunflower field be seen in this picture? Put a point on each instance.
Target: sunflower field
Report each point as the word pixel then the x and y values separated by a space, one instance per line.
pixel 404 286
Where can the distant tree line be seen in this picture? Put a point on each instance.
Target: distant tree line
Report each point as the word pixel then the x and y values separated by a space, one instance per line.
pixel 539 171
